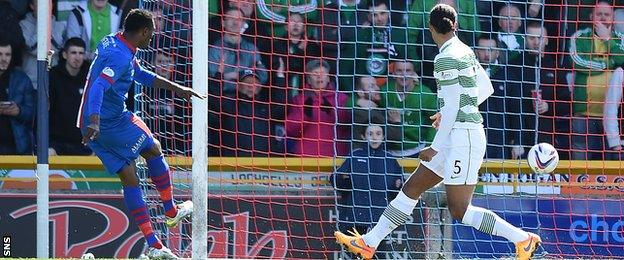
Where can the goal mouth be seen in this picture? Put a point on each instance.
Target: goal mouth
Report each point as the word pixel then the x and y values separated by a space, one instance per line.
pixel 295 91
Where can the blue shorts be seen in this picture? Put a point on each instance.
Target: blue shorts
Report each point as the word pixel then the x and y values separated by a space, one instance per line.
pixel 120 146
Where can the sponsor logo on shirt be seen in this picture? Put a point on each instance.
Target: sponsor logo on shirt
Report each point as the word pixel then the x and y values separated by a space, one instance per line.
pixel 445 75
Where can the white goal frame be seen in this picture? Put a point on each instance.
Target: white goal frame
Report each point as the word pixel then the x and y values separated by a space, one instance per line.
pixel 200 130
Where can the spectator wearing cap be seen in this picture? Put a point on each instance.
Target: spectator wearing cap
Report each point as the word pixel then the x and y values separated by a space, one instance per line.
pixel 245 119
pixel 314 114
pixel 231 53
pixel 67 81
pixel 91 21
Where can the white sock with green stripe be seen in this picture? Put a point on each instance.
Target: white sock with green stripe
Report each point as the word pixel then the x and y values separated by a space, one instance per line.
pixel 488 222
pixel 395 215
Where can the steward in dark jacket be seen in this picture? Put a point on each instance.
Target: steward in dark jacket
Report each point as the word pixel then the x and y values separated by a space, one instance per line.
pixel 366 182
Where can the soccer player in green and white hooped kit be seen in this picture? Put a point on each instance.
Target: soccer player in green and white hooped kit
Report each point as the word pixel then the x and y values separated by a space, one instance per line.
pixel 457 151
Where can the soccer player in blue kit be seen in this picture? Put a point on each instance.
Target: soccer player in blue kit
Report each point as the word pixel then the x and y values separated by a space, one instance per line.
pixel 117 136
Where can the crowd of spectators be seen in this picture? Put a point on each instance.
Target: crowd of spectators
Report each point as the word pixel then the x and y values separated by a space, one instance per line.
pixel 297 78
pixel 76 28
pixel 552 65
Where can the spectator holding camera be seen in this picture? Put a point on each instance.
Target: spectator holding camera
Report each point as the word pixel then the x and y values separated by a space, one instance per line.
pixel 17 105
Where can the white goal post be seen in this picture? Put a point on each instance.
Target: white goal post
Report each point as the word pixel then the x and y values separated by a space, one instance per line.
pixel 200 130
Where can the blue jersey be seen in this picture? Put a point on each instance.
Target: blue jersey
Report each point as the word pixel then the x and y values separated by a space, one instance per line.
pixel 110 77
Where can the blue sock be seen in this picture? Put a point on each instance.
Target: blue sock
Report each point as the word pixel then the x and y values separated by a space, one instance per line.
pixel 136 205
pixel 159 173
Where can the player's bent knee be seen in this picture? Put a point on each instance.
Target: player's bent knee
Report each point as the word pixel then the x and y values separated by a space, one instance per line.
pixel 153 151
pixel 156 145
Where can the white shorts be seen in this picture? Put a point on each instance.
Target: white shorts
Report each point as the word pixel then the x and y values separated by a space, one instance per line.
pixel 459 161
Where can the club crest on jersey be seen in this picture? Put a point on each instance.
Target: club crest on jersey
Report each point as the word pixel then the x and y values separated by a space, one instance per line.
pixel 108 72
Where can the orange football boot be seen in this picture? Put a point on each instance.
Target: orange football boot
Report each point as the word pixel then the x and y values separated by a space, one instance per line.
pixel 525 249
pixel 355 244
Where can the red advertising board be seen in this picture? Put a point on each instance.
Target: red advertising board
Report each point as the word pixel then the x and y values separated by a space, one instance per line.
pixel 79 223
pixel 238 226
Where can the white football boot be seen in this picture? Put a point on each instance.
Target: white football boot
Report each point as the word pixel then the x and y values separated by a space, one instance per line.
pixel 185 209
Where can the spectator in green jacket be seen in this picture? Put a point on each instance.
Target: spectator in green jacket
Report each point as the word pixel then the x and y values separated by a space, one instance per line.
pixel 409 104
pixel 367 104
pixel 375 45
pixel 595 52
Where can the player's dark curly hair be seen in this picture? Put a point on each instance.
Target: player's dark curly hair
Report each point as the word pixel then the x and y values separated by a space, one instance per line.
pixel 138 19
pixel 442 18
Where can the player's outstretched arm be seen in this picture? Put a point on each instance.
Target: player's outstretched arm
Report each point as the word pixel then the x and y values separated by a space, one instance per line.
pixel 185 92
pixel 148 78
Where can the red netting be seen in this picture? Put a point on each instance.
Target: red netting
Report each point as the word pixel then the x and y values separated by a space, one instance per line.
pixel 294 85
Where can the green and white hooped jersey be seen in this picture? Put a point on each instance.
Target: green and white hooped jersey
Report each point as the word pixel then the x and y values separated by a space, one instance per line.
pixel 457 64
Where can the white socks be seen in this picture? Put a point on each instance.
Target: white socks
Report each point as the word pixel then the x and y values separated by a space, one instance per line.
pixel 395 215
pixel 402 207
pixel 488 222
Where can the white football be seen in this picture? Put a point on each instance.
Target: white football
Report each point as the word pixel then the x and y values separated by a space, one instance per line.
pixel 543 158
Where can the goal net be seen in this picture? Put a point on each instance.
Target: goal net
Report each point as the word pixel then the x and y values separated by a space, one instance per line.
pixel 296 88
pixel 169 116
